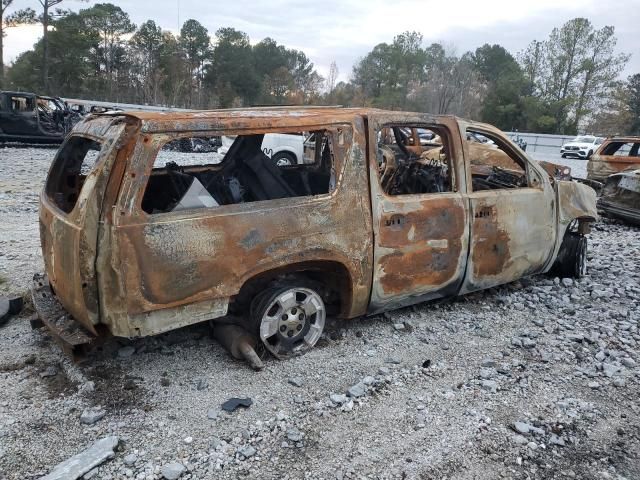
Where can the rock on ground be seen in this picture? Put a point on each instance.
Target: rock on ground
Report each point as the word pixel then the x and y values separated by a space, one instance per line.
pixel 78 465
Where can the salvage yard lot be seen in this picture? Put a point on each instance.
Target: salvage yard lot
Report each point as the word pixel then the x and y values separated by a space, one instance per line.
pixel 536 379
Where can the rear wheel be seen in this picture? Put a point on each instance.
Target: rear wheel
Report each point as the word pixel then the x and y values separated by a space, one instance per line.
pixel 289 320
pixel 283 159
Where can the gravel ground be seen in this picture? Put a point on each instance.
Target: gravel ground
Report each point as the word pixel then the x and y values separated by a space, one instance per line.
pixel 536 379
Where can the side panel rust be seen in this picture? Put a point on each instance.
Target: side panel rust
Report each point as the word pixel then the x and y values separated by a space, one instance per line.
pixel 421 240
pixel 189 265
pixel 512 235
pixel 513 231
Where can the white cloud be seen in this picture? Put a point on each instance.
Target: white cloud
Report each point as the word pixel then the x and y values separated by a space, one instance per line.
pixel 20 39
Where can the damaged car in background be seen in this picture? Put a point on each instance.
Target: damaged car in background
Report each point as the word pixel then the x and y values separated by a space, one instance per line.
pixel 27 117
pixel 388 209
pixel 620 196
pixel 615 155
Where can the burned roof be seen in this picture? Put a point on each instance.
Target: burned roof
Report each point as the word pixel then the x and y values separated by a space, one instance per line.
pixel 260 117
pixel 626 139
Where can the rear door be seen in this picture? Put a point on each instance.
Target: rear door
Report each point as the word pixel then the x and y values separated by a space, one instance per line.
pixel 512 208
pixel 419 213
pixel 70 214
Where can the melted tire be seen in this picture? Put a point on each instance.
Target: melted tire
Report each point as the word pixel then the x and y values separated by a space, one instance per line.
pixel 572 257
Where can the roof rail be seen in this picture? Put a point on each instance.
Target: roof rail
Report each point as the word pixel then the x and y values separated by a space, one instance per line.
pixel 274 107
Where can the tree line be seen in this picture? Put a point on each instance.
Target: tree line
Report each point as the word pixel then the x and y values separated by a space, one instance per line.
pixel 98 53
pixel 563 84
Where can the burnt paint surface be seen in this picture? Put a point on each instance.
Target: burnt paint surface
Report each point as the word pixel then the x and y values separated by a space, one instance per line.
pixel 420 240
pixel 175 259
pixel 600 166
pixel 157 272
pixel 513 231
pixel 69 241
pixel 621 197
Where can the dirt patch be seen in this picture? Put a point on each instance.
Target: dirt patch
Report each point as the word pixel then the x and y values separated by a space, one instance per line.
pixel 116 390
pixel 58 384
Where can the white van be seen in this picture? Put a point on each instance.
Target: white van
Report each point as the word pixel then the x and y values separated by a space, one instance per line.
pixel 283 148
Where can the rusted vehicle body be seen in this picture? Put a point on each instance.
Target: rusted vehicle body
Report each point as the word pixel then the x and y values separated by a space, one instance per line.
pixel 620 197
pixel 396 208
pixel 615 155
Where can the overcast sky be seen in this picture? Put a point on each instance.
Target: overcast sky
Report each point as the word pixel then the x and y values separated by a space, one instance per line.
pixel 344 30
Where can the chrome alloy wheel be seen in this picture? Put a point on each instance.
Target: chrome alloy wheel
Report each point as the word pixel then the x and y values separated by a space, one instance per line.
pixel 292 321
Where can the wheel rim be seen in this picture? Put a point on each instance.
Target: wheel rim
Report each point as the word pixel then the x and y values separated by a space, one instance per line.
pixel 582 259
pixel 292 322
pixel 283 162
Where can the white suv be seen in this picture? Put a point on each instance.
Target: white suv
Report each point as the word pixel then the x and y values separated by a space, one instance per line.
pixel 581 147
pixel 283 148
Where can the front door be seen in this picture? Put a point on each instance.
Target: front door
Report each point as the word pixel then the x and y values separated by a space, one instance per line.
pixel 419 213
pixel 22 117
pixel 512 211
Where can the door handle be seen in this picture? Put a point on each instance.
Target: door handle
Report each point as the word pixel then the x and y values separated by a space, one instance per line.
pixel 395 221
pixel 485 212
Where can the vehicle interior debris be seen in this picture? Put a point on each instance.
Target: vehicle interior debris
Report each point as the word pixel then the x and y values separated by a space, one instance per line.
pixel 493 165
pixel 204 178
pixel 413 160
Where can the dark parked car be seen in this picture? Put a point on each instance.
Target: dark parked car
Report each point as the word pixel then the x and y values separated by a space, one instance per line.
pixel 27 117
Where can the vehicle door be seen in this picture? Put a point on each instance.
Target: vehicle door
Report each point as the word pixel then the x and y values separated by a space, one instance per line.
pixel 22 119
pixel 512 210
pixel 71 207
pixel 419 213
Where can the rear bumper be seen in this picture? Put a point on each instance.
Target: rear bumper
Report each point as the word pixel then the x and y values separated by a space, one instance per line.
pixel 74 339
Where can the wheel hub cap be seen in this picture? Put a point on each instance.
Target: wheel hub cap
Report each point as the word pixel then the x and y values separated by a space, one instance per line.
pixel 293 322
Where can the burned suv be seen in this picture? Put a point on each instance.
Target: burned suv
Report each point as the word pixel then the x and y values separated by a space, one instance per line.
pixel 389 209
pixel 27 117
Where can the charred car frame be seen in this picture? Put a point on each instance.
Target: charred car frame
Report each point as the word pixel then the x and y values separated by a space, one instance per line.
pixel 27 117
pixel 392 209
pixel 615 155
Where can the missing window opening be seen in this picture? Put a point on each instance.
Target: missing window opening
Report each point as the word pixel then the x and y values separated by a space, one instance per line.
pixel 493 165
pixel 622 149
pixel 208 172
pixel 74 162
pixel 414 160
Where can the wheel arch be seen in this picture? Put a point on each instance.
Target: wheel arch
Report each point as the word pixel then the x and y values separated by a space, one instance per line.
pixel 332 277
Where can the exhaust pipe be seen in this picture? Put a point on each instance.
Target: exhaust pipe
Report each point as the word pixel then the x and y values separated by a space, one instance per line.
pixel 238 343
